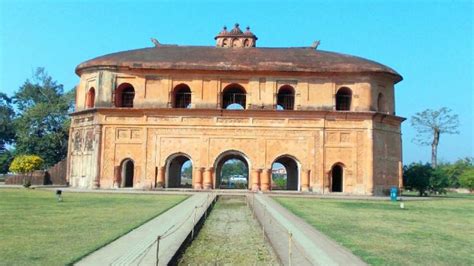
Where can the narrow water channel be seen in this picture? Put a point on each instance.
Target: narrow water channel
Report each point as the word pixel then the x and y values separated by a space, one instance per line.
pixel 230 235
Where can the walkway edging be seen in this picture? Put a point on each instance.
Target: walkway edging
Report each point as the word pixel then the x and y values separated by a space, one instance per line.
pixel 308 246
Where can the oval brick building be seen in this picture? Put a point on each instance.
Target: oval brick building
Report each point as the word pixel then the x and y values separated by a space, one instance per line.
pixel 328 119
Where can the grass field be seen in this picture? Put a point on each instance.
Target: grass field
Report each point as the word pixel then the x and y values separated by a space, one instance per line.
pixel 35 229
pixel 428 232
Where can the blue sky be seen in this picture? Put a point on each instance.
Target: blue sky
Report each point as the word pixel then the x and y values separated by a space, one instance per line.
pixel 428 42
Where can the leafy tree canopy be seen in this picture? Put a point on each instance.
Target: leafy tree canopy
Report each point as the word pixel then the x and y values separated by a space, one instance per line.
pixel 7 114
pixel 233 167
pixel 467 179
pixel 42 124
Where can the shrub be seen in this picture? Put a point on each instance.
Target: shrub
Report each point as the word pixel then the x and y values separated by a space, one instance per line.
pixel 439 181
pixel 23 164
pixel 467 179
pixel 26 164
pixel 417 176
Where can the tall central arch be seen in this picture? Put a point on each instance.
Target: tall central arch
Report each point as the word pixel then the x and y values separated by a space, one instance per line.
pixel 232 171
pixel 179 171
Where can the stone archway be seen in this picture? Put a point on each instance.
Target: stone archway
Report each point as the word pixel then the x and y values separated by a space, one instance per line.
pixel 285 173
pixel 337 181
pixel 232 171
pixel 127 170
pixel 179 171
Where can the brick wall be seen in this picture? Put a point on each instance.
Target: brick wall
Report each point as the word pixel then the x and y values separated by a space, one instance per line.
pixel 56 175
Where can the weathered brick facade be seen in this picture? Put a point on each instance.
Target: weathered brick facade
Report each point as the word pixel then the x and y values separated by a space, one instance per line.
pixel 363 141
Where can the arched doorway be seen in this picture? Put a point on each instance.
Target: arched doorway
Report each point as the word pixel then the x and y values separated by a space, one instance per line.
pixel 182 96
pixel 234 97
pixel 124 95
pixel 127 172
pixel 285 174
pixel 179 171
pixel 286 98
pixel 343 99
pixel 232 171
pixel 337 174
pixel 90 98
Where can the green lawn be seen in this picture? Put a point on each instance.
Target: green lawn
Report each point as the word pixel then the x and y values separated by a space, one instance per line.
pixel 429 232
pixel 36 229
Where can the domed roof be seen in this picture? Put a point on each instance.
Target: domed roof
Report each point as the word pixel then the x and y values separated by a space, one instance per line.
pixel 236 30
pixel 248 32
pixel 207 58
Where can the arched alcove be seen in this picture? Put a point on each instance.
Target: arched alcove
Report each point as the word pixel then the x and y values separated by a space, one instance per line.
pixel 286 98
pixel 234 97
pixel 182 96
pixel 343 99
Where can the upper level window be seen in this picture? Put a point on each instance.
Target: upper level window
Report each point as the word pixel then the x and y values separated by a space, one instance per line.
pixel 124 95
pixel 182 96
pixel 343 99
pixel 233 97
pixel 286 98
pixel 381 105
pixel 90 98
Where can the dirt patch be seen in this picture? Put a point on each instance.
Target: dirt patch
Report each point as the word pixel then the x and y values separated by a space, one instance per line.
pixel 230 236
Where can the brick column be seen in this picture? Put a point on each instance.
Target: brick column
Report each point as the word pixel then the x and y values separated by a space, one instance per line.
pixel 197 177
pixel 117 177
pixel 208 175
pixel 255 174
pixel 305 180
pixel 265 179
pixel 160 182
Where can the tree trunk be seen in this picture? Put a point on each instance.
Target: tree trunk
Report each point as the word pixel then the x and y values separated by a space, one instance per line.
pixel 434 149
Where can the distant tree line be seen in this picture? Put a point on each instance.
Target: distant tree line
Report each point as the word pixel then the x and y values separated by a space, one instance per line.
pixel 428 180
pixel 434 177
pixel 35 121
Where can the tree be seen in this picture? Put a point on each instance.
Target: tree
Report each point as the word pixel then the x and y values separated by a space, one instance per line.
pixel 6 158
pixel 6 117
pixel 467 179
pixel 417 176
pixel 26 164
pixel 454 171
pixel 430 124
pixel 42 124
pixel 438 181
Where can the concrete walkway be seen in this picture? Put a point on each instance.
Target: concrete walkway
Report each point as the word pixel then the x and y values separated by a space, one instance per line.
pixel 308 246
pixel 139 246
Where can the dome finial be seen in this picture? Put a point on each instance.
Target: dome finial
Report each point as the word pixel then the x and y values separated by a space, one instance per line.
pixel 237 25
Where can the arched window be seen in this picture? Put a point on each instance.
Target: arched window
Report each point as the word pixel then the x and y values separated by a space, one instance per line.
pixel 337 174
pixel 182 96
pixel 247 43
pixel 381 107
pixel 90 98
pixel 233 97
pixel 124 95
pixel 343 99
pixel 286 98
pixel 235 42
pixel 225 43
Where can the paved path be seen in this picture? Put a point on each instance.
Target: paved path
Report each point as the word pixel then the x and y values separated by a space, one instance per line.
pixel 139 246
pixel 309 246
